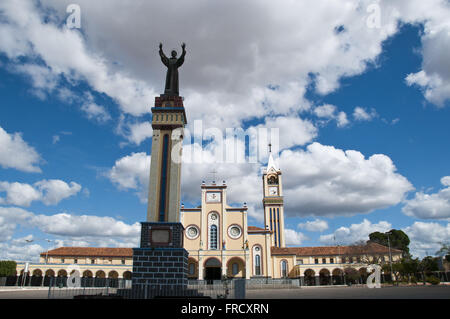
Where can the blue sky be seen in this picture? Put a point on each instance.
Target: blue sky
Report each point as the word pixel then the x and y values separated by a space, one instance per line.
pixel 362 115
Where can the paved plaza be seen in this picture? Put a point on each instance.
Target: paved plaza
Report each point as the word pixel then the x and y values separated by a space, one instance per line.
pixel 405 292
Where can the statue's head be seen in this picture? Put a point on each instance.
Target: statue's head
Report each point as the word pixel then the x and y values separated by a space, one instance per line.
pixel 174 54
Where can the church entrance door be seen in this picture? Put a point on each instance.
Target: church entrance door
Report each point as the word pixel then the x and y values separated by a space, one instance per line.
pixel 213 270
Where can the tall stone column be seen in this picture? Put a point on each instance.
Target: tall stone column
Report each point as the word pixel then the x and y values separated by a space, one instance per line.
pixel 161 262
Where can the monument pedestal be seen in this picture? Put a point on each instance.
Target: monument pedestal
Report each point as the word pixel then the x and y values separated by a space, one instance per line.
pixel 160 265
pixel 161 261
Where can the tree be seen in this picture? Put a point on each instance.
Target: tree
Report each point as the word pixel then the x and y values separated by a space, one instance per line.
pixel 7 268
pixel 397 238
pixel 429 264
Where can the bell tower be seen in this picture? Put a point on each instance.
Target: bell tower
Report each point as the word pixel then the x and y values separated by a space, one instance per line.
pixel 273 201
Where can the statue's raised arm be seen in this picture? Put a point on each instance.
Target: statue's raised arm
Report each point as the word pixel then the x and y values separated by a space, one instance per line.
pixel 164 59
pixel 181 59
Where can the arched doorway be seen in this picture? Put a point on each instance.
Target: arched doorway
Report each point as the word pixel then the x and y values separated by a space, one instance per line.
pixel 61 279
pixel 127 275
pixel 49 277
pixel 113 278
pixel 310 279
pixel 100 279
pixel 324 277
pixel 36 278
pixel 337 277
pixel 213 270
pixel 351 275
pixel 86 279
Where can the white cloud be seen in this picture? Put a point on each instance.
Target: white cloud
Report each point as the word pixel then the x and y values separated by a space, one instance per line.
pixel 354 233
pixel 65 55
pixel 132 172
pixel 50 192
pixel 136 133
pixel 18 251
pixel 361 114
pixel 10 217
pixel 294 238
pixel 325 181
pixel 329 112
pixel 16 153
pixel 97 112
pixel 84 226
pixel 293 131
pixel 342 119
pixel 430 206
pixel 326 111
pixel 427 238
pixel 316 225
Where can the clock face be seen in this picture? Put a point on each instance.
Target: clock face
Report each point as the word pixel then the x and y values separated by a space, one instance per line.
pixel 273 191
pixel 213 197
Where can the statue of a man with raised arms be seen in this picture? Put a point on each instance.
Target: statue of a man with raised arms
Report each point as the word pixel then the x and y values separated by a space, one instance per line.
pixel 172 64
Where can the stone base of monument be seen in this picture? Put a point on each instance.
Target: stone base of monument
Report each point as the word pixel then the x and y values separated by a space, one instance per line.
pixel 160 265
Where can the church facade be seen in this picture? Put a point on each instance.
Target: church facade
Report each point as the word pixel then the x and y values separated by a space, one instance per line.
pixel 221 244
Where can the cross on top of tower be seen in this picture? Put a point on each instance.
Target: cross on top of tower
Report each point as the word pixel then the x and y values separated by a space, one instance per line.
pixel 270 147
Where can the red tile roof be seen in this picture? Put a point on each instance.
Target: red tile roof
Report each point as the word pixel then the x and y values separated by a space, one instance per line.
pixel 90 252
pixel 372 248
pixel 257 229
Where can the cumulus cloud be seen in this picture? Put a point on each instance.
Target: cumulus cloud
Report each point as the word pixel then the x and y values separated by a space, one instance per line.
pixel 430 206
pixel 50 192
pixel 427 238
pixel 16 153
pixel 84 226
pixel 354 233
pixel 135 133
pixel 329 112
pixel 10 217
pixel 65 230
pixel 66 56
pixel 316 225
pixel 362 114
pixel 293 237
pixel 325 181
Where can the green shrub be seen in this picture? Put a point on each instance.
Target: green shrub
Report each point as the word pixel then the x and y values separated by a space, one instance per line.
pixel 433 280
pixel 7 268
pixel 413 280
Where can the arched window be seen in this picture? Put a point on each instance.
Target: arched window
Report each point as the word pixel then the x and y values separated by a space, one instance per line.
pixel 191 269
pixel 284 269
pixel 213 237
pixel 257 260
pixel 257 265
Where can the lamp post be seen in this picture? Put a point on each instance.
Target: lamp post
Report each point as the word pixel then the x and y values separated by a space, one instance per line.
pixel 46 253
pixel 26 268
